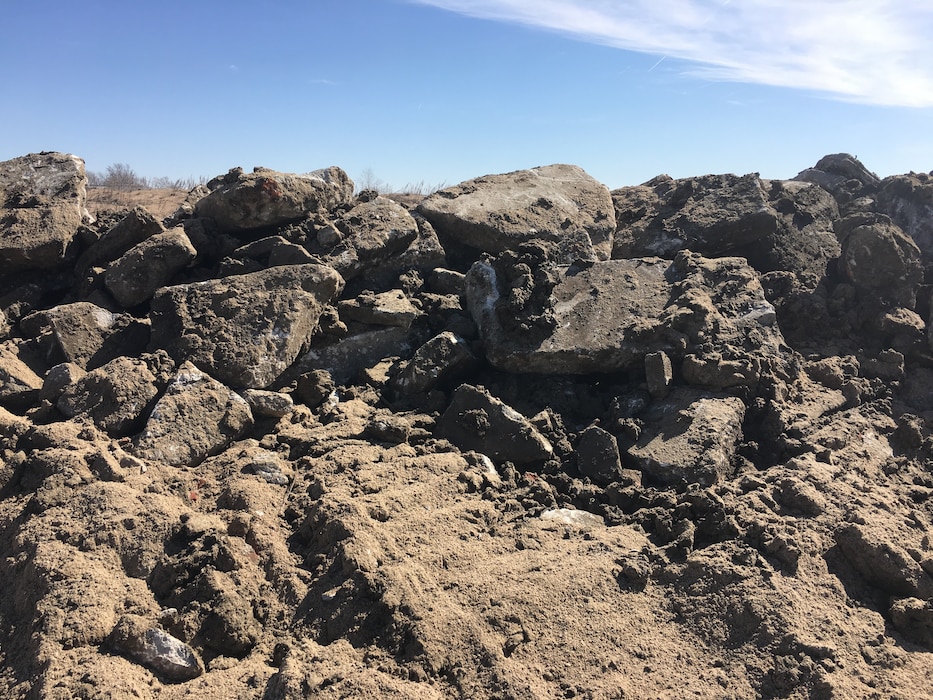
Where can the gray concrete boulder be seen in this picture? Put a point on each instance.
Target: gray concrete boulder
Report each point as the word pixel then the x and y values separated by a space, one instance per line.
pixel 346 358
pixel 42 204
pixel 266 198
pixel 908 200
pixel 245 329
pixel 84 333
pixel 444 357
pixel 391 308
pixel 879 259
pixel 131 230
pixel 689 438
pixel 195 418
pixel 478 421
pixel 557 205
pixel 775 224
pixel 843 175
pixel 19 383
pixel 143 642
pixel 147 266
pixel 116 396
pixel 367 237
pixel 609 315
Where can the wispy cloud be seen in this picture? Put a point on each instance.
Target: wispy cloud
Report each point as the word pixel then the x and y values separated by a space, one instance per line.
pixel 870 51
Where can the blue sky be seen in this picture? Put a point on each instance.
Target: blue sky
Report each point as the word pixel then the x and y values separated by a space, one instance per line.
pixel 445 90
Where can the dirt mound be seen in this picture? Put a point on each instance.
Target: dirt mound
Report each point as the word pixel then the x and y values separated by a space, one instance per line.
pixel 283 442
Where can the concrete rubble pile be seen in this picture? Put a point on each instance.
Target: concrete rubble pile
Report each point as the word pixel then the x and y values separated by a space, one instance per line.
pixel 529 437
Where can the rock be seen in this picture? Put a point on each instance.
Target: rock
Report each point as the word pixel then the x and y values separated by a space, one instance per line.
pixel 555 205
pixel 609 315
pixel 879 259
pixel 882 562
pixel 441 359
pixel 134 228
pixel 58 378
pixel 390 308
pixel 314 387
pixel 42 204
pixel 478 421
pixel 196 417
pixel 138 273
pixel 156 649
pixel 346 358
pixel 659 373
pixel 367 237
pixel 271 404
pixel 19 383
pixel 116 396
pixel 844 177
pixel 444 281
pixel 266 198
pixel 689 438
pixel 913 618
pixel 908 200
pixel 85 334
pixel 598 456
pixel 266 465
pixel 246 329
pixel 273 251
pixel 385 426
pixel 774 224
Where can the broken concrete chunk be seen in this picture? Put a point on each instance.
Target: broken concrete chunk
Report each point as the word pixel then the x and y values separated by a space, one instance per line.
pixel 442 358
pixel 138 273
pixel 244 329
pixel 134 228
pixel 478 421
pixel 346 358
pixel 115 396
pixel 156 649
pixel 776 225
pixel 196 417
pixel 19 383
pixel 392 308
pixel 598 456
pixel 689 438
pixel 555 205
pixel 245 201
pixel 608 316
pixel 659 372
pixel 58 378
pixel 42 204
pixel 271 404
pixel 879 259
pixel 85 334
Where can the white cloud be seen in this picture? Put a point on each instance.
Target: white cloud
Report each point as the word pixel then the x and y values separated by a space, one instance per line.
pixel 869 51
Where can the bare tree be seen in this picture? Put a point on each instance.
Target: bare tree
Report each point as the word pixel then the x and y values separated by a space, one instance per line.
pixel 121 176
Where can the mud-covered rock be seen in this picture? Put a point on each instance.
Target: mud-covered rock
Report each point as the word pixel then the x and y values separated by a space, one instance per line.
pixel 478 421
pixel 609 315
pixel 116 395
pixel 598 456
pixel 558 205
pixel 271 404
pixel 883 562
pixel 264 198
pixel 246 329
pixel 908 200
pixel 913 618
pixel 156 649
pixel 42 204
pixel 879 259
pixel 84 333
pixel 392 308
pixel 689 438
pixel 195 418
pixel 133 228
pixel 138 273
pixel 346 358
pixel 19 382
pixel 443 358
pixel 776 225
pixel 846 178
pixel 368 237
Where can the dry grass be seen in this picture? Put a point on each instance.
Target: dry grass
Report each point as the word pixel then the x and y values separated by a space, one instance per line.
pixel 161 202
